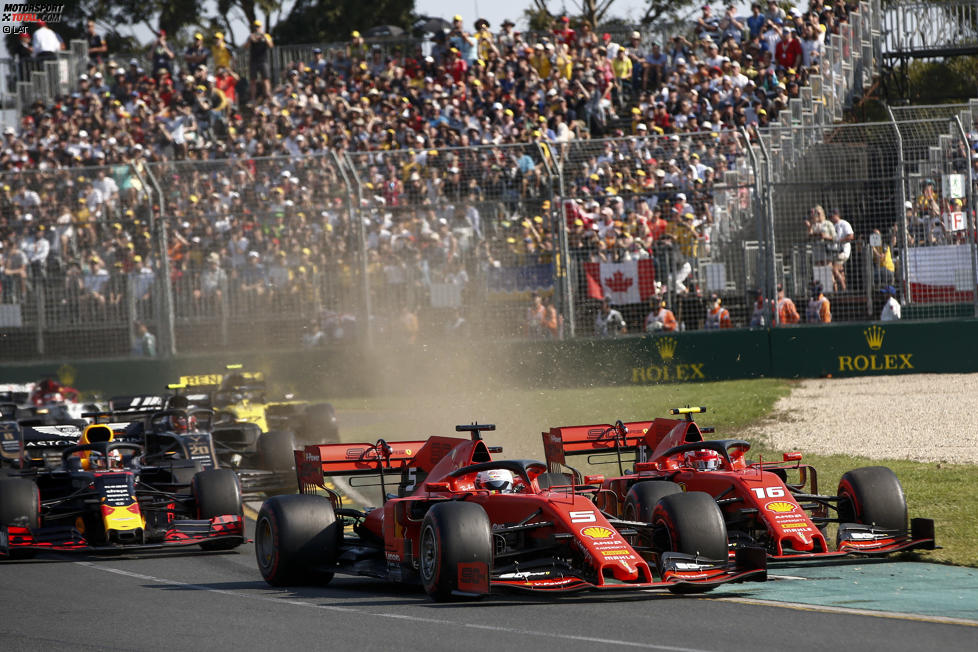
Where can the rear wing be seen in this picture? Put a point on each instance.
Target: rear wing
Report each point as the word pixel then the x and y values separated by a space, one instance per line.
pixel 565 441
pixel 315 462
pixel 596 441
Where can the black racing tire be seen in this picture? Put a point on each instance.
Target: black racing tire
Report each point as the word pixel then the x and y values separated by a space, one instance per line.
pixel 691 523
pixel 276 450
pixel 320 424
pixel 295 537
pixel 454 533
pixel 218 493
pixel 20 505
pixel 872 495
pixel 642 497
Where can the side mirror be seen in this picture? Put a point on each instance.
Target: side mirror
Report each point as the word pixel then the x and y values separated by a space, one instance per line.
pixel 594 479
pixel 793 456
pixel 436 486
pixel 645 466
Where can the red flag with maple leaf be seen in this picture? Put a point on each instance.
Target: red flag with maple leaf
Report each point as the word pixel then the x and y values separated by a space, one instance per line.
pixel 621 283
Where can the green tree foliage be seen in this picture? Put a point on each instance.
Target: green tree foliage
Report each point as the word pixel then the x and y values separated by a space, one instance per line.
pixel 317 21
pixel 936 82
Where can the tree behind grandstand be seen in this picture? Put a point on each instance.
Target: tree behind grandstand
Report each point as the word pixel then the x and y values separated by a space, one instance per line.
pixel 317 21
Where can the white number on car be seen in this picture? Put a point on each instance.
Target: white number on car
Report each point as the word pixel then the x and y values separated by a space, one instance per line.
pixel 583 517
pixel 770 492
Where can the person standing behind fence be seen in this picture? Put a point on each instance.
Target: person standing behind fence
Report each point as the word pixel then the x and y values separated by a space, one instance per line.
pixel 716 315
pixel 144 345
pixel 761 315
pixel 97 47
pixel 47 43
pixel 220 52
pixel 785 311
pixel 891 309
pixel 660 318
pixel 843 248
pixel 819 310
pixel 259 46
pixel 821 233
pixel 608 322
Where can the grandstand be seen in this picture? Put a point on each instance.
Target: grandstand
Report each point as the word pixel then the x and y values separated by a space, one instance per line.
pixel 422 188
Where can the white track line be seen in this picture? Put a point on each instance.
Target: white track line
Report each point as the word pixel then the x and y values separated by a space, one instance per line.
pixel 415 619
pixel 896 615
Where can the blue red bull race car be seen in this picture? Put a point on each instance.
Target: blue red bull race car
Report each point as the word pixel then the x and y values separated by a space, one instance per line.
pixel 464 524
pixel 774 505
pixel 103 497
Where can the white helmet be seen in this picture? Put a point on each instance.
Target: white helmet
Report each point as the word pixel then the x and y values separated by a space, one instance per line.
pixel 495 480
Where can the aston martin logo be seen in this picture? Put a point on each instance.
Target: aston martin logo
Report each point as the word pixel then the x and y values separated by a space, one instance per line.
pixel 874 337
pixel 666 347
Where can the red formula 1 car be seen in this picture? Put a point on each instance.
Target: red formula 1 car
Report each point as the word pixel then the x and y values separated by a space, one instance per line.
pixel 775 505
pixel 463 524
pixel 103 498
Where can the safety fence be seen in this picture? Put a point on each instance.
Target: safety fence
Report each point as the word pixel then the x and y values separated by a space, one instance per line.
pixel 494 241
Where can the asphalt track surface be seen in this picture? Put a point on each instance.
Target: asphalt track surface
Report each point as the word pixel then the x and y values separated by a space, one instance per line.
pixel 188 599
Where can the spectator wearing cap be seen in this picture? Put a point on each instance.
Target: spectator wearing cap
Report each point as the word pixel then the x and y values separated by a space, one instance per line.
pixel 464 42
pixel 259 45
pixel 716 315
pixel 46 42
pixel 196 53
pixel 788 52
pixel 891 308
pixel 707 25
pixel 485 42
pixel 785 312
pixel 563 32
pixel 819 309
pixel 161 55
pixel 221 53
pixel 97 47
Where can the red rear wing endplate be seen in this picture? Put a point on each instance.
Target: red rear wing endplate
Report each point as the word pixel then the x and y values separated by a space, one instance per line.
pixel 598 438
pixel 314 462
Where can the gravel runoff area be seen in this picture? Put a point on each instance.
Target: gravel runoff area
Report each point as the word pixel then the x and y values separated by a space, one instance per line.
pixel 921 417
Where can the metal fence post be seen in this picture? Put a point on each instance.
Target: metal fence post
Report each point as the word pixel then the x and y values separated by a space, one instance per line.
pixel 165 322
pixel 969 207
pixel 764 214
pixel 905 239
pixel 565 275
pixel 355 193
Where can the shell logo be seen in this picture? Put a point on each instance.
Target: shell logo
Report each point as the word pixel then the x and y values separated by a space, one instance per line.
pixel 595 532
pixel 781 506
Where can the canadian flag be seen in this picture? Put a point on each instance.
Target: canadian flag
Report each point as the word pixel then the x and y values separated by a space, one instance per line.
pixel 621 283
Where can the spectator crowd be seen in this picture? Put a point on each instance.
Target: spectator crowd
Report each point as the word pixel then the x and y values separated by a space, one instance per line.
pixel 445 141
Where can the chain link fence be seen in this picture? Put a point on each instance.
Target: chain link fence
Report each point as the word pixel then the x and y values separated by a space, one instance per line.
pixel 494 241
pixel 456 240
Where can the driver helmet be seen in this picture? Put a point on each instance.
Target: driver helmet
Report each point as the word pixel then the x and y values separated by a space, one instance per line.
pixel 704 460
pixel 180 423
pixel 495 480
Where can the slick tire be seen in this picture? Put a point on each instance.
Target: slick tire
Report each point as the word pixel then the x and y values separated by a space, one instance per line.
pixel 218 493
pixel 296 537
pixel 642 498
pixel 320 424
pixel 20 505
pixel 872 495
pixel 691 523
pixel 276 449
pixel 456 551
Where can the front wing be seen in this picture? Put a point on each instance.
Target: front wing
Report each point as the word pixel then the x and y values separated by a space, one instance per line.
pixel 680 574
pixel 69 539
pixel 857 539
